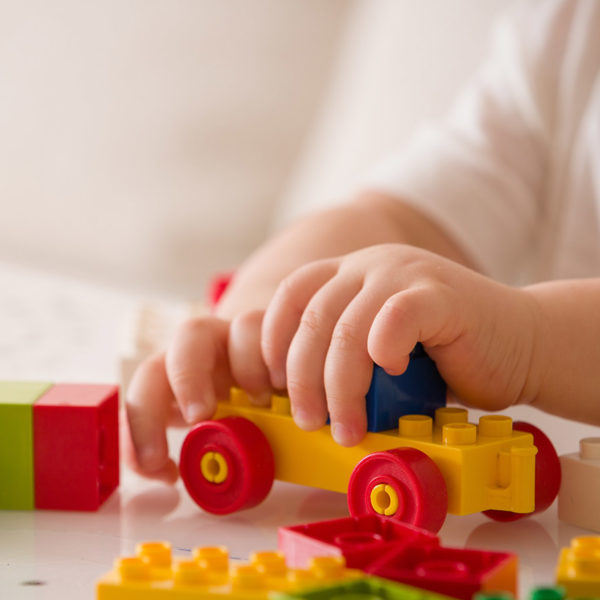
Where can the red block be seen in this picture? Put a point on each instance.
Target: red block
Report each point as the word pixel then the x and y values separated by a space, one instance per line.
pixel 217 286
pixel 456 572
pixel 402 553
pixel 361 540
pixel 76 446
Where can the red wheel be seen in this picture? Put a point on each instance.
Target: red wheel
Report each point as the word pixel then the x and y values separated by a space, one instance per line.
pixel 404 484
pixel 227 465
pixel 547 475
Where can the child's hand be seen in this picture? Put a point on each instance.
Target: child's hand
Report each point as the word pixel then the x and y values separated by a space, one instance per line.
pixel 329 320
pixel 326 324
pixel 182 386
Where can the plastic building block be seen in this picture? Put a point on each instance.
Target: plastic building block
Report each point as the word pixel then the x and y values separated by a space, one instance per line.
pixel 419 390
pixel 16 443
pixel 401 553
pixel 548 593
pixel 227 465
pixel 59 445
pixel 579 496
pixel 217 286
pixel 76 446
pixel 154 574
pixel 358 539
pixel 455 571
pixel 368 588
pixel 547 473
pixel 578 569
pixel 489 466
pixel 537 593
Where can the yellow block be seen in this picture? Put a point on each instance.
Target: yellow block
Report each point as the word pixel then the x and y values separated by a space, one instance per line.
pixel 152 574
pixel 485 466
pixel 578 569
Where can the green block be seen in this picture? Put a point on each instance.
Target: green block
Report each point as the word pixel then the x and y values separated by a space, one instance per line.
pixel 548 593
pixel 365 588
pixel 16 443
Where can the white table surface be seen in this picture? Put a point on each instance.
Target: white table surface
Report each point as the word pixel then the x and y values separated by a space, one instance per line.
pixel 64 330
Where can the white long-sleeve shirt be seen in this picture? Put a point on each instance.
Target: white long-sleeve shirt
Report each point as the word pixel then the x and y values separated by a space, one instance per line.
pixel 513 173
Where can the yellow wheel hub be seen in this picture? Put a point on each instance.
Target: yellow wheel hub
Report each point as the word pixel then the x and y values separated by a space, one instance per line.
pixel 384 499
pixel 214 467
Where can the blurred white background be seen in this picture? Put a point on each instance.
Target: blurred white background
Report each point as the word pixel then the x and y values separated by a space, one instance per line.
pixel 147 143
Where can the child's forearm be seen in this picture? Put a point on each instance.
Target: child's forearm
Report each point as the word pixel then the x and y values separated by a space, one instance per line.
pixel 372 218
pixel 566 362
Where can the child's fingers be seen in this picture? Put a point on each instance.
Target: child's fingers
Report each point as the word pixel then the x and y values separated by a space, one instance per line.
pixel 428 313
pixel 148 407
pixel 348 369
pixel 308 349
pixel 196 359
pixel 167 471
pixel 246 362
pixel 284 312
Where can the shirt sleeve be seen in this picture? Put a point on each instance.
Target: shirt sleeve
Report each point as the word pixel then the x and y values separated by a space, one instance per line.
pixel 480 173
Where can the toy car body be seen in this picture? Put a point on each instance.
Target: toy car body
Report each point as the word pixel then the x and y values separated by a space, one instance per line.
pixel 414 473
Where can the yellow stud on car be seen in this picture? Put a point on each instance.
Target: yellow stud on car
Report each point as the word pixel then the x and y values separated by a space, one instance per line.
pixel 384 499
pixel 214 467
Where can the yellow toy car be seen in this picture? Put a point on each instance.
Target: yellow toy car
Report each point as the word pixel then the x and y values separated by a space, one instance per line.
pixel 414 473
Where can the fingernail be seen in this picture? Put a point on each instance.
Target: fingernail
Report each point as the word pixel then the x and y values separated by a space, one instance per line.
pixel 149 458
pixel 198 411
pixel 263 399
pixel 278 380
pixel 303 419
pixel 210 401
pixel 342 434
pixel 194 412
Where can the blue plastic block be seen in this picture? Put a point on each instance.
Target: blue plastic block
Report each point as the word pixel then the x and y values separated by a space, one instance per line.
pixel 419 390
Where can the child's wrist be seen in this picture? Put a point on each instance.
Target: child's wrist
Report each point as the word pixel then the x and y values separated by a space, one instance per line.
pixel 536 341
